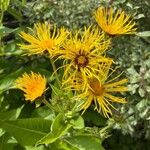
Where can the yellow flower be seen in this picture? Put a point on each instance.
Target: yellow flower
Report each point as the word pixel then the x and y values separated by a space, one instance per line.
pixel 100 92
pixel 82 54
pixel 114 22
pixel 33 85
pixel 41 39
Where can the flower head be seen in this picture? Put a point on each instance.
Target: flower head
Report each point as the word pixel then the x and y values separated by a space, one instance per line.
pixel 114 22
pixel 101 93
pixel 82 54
pixel 33 85
pixel 41 39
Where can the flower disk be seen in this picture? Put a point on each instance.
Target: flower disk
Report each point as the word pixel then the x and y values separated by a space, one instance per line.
pixel 41 39
pixel 82 54
pixel 33 85
pixel 100 92
pixel 114 22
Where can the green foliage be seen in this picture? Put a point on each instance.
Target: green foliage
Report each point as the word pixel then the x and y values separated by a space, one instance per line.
pixel 58 129
pixel 27 131
pixel 144 34
pixel 4 4
pixel 23 125
pixel 72 14
pixel 11 115
pixel 81 143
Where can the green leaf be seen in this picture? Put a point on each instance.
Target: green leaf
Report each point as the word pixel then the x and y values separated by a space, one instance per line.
pixel 133 88
pixel 62 145
pixel 11 115
pixel 27 131
pixel 94 118
pixel 5 31
pixel 57 123
pixel 143 34
pixel 41 147
pixel 77 123
pixel 84 142
pixel 58 129
pixel 10 146
pixel 15 13
pixel 139 16
pixel 141 92
pixel 3 140
pixel 55 90
pixel 8 80
pixel 11 49
pixel 140 105
pixel 43 112
pixel 24 2
pixel 5 144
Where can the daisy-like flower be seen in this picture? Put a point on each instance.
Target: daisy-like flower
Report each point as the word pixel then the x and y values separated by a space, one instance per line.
pixel 114 22
pixel 41 39
pixel 101 92
pixel 33 85
pixel 82 54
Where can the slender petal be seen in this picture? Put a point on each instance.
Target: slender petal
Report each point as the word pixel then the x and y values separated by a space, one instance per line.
pixel 41 39
pixel 101 91
pixel 83 52
pixel 114 22
pixel 33 85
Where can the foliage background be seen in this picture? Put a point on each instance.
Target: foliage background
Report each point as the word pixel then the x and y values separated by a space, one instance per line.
pixel 132 127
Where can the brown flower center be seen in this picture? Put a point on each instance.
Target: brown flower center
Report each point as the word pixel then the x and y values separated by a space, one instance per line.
pixel 97 88
pixel 81 61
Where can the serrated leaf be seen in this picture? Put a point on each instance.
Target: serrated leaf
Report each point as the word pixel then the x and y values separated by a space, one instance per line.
pixel 27 131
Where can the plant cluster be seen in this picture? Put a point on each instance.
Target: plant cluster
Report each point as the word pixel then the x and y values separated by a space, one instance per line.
pixel 67 74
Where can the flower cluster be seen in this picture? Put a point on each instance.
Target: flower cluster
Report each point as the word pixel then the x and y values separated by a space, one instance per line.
pixel 87 69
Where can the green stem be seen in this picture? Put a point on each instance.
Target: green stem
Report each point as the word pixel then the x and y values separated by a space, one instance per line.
pixel 1 24
pixel 1 18
pixel 47 104
pixel 55 72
